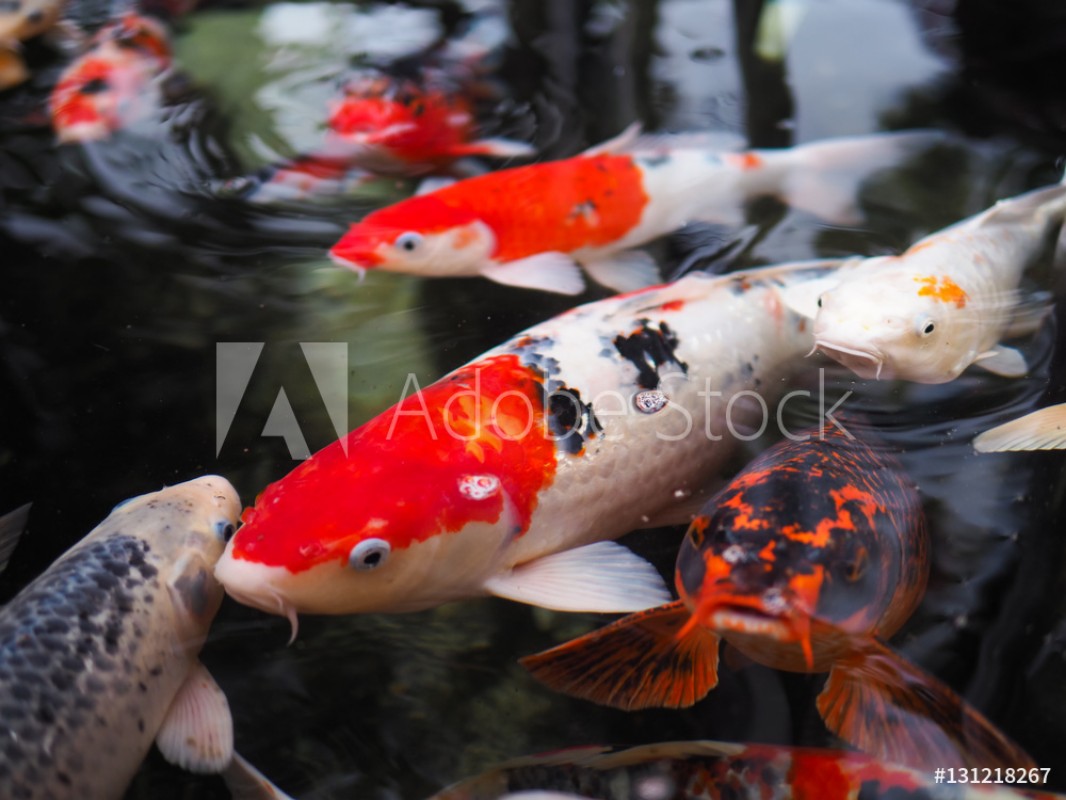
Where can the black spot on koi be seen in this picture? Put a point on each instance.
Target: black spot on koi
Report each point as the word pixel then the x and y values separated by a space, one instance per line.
pixel 648 349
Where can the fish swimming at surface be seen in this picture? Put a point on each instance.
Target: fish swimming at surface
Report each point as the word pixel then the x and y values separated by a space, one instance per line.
pixel 947 302
pixel 535 225
pixel 98 655
pixel 507 476
pixel 813 555
pixel 705 770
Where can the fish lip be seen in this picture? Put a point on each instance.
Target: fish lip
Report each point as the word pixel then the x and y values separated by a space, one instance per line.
pixel 358 267
pixel 753 621
pixel 266 598
pixel 866 363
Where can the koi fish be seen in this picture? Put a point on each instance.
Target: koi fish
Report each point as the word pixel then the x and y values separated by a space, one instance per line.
pixel 534 226
pixel 98 656
pixel 506 476
pixel 706 770
pixel 21 20
pixel 1043 429
pixel 813 555
pixel 396 126
pixel 114 84
pixel 946 302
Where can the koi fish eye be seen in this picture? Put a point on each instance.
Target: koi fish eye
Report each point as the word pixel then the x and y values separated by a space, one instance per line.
pixel 819 301
pixel 224 530
pixel 926 327
pixel 369 554
pixel 408 242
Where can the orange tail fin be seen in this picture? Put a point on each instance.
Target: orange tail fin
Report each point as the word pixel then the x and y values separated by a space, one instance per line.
pixel 636 662
pixel 895 711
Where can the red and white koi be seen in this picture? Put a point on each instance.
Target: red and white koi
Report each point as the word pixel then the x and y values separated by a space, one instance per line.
pixel 507 476
pixel 946 302
pixel 114 84
pixel 533 226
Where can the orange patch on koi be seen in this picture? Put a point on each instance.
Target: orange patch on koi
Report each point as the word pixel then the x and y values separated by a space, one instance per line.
pixel 943 289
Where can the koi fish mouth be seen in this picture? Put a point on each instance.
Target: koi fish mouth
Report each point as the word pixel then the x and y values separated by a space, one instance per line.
pixel 264 598
pixel 868 364
pixel 749 615
pixel 341 261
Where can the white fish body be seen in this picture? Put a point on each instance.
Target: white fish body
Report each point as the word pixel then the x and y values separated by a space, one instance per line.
pixel 644 397
pixel 946 302
pixel 98 655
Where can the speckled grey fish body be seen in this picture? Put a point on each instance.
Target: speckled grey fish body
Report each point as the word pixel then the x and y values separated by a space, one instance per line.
pixel 93 652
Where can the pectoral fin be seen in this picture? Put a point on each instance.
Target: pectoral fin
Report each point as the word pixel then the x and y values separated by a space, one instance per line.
pixel 884 705
pixel 1004 361
pixel 626 271
pixel 1041 430
pixel 550 272
pixel 245 782
pixel 637 662
pixel 603 576
pixel 197 733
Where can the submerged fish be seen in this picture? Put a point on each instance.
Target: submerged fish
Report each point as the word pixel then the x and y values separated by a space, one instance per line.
pixel 533 226
pixel 398 126
pixel 114 84
pixel 21 20
pixel 705 770
pixel 812 556
pixel 506 476
pixel 947 302
pixel 98 656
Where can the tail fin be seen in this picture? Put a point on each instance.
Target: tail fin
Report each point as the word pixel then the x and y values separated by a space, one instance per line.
pixel 823 177
pixel 635 662
pixel 12 525
pixel 891 709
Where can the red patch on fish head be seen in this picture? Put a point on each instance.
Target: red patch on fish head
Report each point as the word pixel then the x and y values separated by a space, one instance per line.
pixel 472 447
pixel 371 241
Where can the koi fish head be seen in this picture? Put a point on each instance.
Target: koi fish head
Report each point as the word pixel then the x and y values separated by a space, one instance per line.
pixel 422 236
pixel 800 546
pixel 897 325
pixel 411 510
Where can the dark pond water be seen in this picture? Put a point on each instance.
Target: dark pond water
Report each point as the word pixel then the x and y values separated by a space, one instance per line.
pixel 123 270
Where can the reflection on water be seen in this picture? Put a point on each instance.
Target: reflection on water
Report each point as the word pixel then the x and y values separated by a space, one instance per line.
pixel 123 269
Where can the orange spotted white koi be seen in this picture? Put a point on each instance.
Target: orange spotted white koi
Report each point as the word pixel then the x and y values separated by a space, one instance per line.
pixel 507 476
pixel 533 226
pixel 945 303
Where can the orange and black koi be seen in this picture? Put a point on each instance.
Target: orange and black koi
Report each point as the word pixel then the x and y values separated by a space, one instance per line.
pixel 810 558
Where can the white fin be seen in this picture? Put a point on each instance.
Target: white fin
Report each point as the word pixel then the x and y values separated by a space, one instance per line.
pixel 500 148
pixel 433 183
pixel 824 177
pixel 1041 430
pixel 550 272
pixel 802 296
pixel 12 524
pixel 1004 361
pixel 197 733
pixel 245 782
pixel 618 144
pixel 625 271
pixel 603 576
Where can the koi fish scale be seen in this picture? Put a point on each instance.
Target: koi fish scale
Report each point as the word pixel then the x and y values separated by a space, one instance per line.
pixel 95 653
pixel 815 552
pixel 557 420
